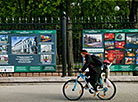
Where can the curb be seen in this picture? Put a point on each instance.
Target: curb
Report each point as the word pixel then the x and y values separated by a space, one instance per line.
pixel 60 79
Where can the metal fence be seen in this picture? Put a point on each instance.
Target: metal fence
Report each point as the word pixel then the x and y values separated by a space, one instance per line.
pixel 61 24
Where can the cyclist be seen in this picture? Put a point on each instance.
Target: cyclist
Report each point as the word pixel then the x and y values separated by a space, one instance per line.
pixel 94 70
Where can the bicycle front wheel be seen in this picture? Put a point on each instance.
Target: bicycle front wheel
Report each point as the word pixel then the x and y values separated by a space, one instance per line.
pixel 73 90
pixel 108 92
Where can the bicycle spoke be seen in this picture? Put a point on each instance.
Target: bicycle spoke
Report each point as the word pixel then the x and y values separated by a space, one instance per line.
pixel 107 92
pixel 72 91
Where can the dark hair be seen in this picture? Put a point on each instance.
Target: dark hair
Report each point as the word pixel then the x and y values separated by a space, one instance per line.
pixel 83 51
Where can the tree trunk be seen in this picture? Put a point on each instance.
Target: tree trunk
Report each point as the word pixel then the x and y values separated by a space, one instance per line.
pixel 20 7
pixel 69 39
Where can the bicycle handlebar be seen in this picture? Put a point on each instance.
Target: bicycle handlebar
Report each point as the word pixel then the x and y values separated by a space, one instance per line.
pixel 77 69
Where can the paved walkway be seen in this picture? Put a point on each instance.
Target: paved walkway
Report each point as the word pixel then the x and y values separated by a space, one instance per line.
pixel 60 79
pixel 52 92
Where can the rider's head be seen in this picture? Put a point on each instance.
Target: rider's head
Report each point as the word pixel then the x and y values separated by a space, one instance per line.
pixel 84 53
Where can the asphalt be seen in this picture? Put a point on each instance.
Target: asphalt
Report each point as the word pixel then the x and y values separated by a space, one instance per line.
pixel 58 79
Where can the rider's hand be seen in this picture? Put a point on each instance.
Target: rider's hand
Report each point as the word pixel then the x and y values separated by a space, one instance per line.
pixel 80 70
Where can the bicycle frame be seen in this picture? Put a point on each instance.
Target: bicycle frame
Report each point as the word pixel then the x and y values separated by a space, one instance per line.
pixel 84 78
pixel 89 87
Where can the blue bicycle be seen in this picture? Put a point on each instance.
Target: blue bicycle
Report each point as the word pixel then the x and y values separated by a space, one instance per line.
pixel 73 89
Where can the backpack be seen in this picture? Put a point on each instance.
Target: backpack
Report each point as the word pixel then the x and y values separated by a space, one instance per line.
pixel 97 60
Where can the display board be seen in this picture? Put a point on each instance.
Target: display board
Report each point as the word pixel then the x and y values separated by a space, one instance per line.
pixel 27 50
pixel 120 46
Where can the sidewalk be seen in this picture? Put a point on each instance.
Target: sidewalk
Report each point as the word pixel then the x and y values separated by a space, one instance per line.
pixel 59 79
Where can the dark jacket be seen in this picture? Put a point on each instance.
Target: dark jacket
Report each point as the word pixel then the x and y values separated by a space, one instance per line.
pixel 90 64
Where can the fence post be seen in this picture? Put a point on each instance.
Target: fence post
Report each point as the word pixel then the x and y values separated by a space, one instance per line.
pixel 64 47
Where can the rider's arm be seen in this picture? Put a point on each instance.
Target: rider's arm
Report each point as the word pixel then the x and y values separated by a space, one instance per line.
pixel 88 60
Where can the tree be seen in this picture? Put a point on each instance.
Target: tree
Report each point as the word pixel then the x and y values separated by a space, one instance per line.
pixel 69 32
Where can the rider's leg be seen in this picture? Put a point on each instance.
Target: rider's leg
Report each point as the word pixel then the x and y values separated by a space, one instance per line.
pixel 93 80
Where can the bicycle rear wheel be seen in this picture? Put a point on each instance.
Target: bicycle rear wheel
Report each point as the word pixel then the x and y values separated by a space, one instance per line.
pixel 108 92
pixel 72 93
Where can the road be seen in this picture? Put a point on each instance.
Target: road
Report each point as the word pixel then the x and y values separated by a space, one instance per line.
pixel 52 92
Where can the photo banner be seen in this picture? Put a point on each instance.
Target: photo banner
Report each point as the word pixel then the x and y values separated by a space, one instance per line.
pixel 28 50
pixel 120 46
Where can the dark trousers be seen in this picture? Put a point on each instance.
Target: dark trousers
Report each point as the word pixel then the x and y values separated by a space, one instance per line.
pixel 94 77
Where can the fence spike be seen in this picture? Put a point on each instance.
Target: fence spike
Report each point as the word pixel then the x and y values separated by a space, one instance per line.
pixel 68 19
pixel 58 19
pixel 121 18
pixel 82 19
pixel 75 19
pixel 127 18
pixel 135 19
pixel 12 19
pixel 88 19
pixel 25 19
pixel 19 19
pixel 108 19
pixel 38 19
pixel 94 18
pixel 6 20
pixel 32 19
pixel 101 18
pixel 52 19
pixel 45 20
pixel 114 19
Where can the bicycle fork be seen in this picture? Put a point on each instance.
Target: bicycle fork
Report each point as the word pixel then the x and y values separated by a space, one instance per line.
pixel 75 83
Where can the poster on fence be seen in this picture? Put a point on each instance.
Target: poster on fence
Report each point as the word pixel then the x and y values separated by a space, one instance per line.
pixel 119 46
pixel 28 50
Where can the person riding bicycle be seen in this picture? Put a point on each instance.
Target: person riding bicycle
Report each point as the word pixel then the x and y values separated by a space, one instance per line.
pixel 94 70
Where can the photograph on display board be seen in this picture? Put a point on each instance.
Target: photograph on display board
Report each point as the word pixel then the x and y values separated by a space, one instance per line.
pixel 46 48
pixel 46 38
pixel 109 36
pixel 119 36
pixel 129 60
pixel 92 40
pixel 3 39
pixel 120 44
pixel 136 51
pixel 130 52
pixel 99 54
pixel 24 45
pixel 115 56
pixel 3 49
pixel 109 44
pixel 136 60
pixel 3 59
pixel 132 40
pixel 46 59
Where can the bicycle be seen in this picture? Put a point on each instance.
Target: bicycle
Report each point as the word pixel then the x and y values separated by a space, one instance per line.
pixel 73 89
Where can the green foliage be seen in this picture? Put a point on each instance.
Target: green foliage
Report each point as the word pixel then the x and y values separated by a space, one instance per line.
pixel 98 8
pixel 88 7
pixel 40 8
